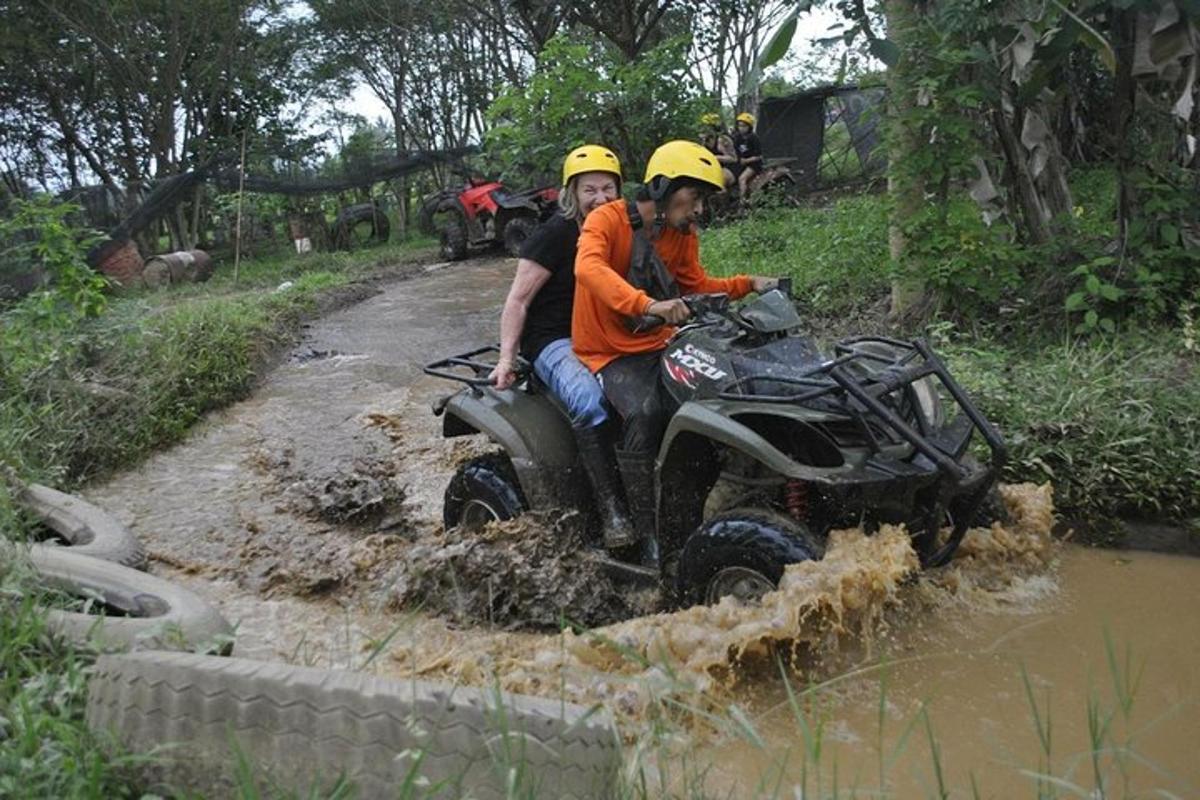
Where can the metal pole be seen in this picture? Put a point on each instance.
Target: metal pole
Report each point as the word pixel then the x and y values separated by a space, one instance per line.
pixel 237 241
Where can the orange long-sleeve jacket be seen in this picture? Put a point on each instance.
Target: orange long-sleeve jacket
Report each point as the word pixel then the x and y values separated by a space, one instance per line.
pixel 603 298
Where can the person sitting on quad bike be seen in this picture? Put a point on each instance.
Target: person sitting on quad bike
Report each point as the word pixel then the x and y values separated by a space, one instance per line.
pixel 537 318
pixel 635 259
pixel 719 143
pixel 749 154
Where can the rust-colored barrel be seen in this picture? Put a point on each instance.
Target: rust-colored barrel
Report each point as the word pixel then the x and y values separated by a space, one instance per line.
pixel 120 261
pixel 184 266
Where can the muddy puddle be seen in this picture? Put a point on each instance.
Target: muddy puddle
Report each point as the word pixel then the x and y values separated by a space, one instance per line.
pixel 1107 649
pixel 310 515
pixel 844 681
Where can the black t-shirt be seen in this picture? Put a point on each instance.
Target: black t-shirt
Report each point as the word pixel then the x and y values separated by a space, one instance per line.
pixel 747 145
pixel 552 245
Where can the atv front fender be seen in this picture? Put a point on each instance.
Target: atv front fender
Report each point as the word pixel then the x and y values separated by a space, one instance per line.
pixel 531 430
pixel 697 417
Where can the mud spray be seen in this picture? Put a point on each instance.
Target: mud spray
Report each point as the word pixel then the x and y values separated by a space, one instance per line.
pixel 697 658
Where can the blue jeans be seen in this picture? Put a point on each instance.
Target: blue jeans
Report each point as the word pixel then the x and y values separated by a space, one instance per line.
pixel 572 383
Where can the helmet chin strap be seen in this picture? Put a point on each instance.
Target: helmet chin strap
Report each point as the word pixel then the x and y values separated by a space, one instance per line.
pixel 660 218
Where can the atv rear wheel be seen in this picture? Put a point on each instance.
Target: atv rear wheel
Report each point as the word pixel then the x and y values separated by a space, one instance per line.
pixel 741 553
pixel 516 232
pixel 483 490
pixel 454 239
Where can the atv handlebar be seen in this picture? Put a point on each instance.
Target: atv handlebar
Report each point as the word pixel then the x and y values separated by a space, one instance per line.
pixel 698 305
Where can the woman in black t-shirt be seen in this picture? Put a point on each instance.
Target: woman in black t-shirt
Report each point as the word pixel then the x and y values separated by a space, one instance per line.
pixel 749 153
pixel 537 319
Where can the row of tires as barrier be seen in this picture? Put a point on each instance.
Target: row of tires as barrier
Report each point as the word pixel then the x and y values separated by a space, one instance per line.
pixel 301 728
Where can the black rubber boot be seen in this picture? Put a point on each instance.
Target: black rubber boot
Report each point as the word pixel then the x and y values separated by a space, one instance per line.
pixel 596 457
pixel 637 473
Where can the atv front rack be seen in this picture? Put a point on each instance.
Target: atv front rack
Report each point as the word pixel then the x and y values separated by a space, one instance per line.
pixel 480 370
pixel 832 382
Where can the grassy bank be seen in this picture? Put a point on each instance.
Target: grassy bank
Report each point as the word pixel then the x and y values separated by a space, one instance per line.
pixel 84 395
pixel 1113 419
pixel 88 395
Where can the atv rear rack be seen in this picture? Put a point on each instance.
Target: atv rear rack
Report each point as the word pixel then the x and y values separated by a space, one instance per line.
pixel 480 369
pixel 856 397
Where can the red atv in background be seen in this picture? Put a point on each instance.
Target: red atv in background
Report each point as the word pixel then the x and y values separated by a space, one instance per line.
pixel 485 213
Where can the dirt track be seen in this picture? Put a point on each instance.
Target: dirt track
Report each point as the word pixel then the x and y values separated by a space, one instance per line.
pixel 285 508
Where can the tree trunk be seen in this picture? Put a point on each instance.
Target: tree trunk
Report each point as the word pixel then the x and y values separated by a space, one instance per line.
pixel 194 233
pixel 1033 212
pixel 1124 94
pixel 905 187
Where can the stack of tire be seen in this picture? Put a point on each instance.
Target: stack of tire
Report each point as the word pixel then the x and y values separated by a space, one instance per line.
pixel 302 730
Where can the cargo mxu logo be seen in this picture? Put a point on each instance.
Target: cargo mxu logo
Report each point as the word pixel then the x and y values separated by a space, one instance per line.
pixel 698 360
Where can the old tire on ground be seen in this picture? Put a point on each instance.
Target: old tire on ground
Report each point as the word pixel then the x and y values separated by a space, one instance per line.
pixel 301 728
pixel 516 232
pixel 743 547
pixel 149 612
pixel 87 529
pixel 482 490
pixel 359 225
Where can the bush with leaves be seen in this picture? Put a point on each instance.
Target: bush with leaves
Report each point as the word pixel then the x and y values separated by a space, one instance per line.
pixel 583 92
pixel 37 235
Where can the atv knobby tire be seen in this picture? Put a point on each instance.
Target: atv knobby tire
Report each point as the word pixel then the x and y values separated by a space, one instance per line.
pixel 750 539
pixel 454 239
pixel 146 612
pixel 301 728
pixel 483 489
pixel 88 530
pixel 516 232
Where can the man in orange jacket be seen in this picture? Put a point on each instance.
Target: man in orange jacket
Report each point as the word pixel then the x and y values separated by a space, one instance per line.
pixel 636 259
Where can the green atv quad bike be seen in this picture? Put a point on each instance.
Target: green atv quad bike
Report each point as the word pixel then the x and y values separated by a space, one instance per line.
pixel 773 443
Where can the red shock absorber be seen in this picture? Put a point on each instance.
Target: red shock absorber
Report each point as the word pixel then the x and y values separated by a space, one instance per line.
pixel 795 497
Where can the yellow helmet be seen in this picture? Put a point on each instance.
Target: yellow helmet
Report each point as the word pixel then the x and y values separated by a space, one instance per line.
pixel 681 159
pixel 711 119
pixel 590 158
pixel 746 117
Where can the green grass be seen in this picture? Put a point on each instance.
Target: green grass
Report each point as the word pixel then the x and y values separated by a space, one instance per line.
pixel 836 256
pixel 272 268
pixel 1113 422
pixel 45 748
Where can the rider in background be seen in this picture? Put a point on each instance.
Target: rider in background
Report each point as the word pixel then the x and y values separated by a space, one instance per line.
pixel 537 318
pixel 749 153
pixel 720 144
pixel 638 258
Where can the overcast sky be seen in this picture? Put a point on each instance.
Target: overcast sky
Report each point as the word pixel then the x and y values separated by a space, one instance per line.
pixel 812 25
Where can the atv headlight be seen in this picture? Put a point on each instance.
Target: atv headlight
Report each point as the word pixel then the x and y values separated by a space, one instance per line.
pixel 929 401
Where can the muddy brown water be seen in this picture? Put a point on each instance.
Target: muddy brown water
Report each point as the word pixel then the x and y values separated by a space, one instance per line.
pixel 250 512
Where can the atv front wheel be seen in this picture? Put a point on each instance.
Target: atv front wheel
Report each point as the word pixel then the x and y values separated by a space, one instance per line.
pixel 516 232
pixel 741 553
pixel 454 239
pixel 483 490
